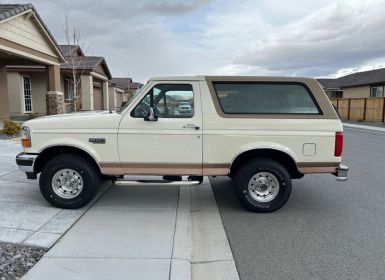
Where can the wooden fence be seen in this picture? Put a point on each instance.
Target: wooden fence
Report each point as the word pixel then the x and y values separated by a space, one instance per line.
pixel 361 109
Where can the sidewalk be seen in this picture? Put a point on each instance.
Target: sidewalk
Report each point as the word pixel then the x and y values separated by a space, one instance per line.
pixel 365 127
pixel 144 232
pixel 25 217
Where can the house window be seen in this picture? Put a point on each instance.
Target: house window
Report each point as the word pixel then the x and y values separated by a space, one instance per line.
pixel 336 94
pixel 68 90
pixel 27 94
pixel 377 91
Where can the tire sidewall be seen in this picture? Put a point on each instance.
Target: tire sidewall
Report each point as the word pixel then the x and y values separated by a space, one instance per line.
pixel 248 171
pixel 90 185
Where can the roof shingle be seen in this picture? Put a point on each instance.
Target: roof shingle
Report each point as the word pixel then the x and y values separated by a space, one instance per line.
pixel 121 82
pixel 376 76
pixel 89 63
pixel 71 50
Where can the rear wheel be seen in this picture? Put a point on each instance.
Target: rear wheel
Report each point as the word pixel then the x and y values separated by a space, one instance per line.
pixel 263 185
pixel 69 181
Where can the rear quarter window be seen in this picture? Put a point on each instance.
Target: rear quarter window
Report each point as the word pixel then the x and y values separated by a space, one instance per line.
pixel 265 98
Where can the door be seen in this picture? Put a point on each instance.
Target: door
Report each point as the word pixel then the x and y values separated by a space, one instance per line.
pixel 171 143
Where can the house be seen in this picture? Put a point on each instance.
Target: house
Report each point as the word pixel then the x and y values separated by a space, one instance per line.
pixel 357 85
pixel 134 87
pixel 28 53
pixel 331 87
pixel 90 74
pixel 37 76
pixel 119 91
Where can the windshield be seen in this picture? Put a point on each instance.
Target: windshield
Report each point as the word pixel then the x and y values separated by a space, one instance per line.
pixel 128 102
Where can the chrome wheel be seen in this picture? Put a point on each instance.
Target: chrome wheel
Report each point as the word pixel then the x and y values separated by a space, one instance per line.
pixel 67 183
pixel 263 187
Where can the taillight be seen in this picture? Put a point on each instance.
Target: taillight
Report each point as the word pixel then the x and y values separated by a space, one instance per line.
pixel 339 143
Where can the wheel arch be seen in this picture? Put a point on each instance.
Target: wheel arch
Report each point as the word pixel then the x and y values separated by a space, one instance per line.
pixel 278 155
pixel 50 152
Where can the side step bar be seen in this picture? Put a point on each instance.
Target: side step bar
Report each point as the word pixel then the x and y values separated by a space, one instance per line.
pixel 123 182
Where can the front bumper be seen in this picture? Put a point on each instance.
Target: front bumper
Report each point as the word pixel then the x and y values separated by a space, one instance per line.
pixel 342 173
pixel 26 162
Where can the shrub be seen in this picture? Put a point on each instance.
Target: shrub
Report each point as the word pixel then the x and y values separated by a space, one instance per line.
pixel 11 127
pixel 33 116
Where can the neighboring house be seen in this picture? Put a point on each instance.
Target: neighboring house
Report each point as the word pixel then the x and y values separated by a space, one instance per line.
pixel 119 91
pixel 28 54
pixel 331 87
pixel 93 74
pixel 134 87
pixel 362 84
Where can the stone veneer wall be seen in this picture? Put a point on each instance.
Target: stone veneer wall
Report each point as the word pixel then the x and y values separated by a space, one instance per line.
pixel 55 101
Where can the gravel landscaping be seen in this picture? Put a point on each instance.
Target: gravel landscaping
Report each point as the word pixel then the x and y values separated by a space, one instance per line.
pixel 6 136
pixel 15 261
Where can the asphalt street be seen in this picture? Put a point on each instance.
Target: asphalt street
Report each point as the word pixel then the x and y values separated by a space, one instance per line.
pixel 327 230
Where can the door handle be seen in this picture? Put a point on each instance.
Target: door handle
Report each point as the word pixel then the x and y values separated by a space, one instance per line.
pixel 191 126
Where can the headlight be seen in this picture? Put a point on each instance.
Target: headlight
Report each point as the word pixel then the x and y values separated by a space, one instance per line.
pixel 25 137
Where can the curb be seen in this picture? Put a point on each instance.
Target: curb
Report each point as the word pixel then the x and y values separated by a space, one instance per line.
pixel 364 127
pixel 201 248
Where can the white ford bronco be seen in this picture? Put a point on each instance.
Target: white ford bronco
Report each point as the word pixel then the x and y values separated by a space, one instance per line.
pixel 260 131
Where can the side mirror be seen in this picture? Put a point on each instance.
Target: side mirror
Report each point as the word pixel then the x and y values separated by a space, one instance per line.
pixel 151 115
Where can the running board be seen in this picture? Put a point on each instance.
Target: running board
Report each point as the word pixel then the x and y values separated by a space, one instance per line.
pixel 122 182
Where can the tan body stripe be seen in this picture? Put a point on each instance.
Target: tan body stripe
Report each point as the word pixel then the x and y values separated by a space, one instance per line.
pixel 164 168
pixel 317 167
pixel 207 169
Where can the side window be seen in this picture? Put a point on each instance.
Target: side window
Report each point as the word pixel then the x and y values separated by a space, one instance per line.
pixel 168 101
pixel 265 98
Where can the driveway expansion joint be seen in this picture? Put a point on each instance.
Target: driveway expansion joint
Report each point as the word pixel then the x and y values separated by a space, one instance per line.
pixel 185 241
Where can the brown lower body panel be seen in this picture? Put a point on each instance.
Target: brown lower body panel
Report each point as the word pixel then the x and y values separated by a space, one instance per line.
pixel 317 167
pixel 207 169
pixel 164 169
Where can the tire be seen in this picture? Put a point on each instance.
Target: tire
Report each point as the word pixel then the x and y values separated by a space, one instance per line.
pixel 69 181
pixel 271 189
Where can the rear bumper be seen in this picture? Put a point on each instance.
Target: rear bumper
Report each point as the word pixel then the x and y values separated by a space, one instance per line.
pixel 342 173
pixel 26 162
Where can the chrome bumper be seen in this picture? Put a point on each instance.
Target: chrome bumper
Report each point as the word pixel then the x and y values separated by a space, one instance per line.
pixel 26 162
pixel 342 173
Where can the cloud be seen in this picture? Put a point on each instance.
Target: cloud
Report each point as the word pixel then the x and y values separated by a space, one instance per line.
pixel 172 8
pixel 150 38
pixel 340 35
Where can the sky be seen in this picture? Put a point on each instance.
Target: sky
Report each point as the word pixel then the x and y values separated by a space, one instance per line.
pixel 143 39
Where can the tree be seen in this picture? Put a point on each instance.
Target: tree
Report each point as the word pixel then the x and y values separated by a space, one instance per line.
pixel 75 62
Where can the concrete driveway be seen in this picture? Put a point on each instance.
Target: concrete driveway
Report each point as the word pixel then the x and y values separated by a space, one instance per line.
pixel 137 232
pixel 25 217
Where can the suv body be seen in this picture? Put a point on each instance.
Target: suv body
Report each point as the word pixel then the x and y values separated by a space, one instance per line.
pixel 260 131
pixel 184 107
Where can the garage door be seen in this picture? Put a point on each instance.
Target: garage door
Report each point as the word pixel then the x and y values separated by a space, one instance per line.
pixel 98 98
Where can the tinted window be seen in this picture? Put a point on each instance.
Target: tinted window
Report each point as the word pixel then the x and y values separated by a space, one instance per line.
pixel 169 101
pixel 265 98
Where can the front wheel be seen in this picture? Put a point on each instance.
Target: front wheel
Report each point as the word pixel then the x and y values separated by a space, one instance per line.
pixel 69 181
pixel 263 185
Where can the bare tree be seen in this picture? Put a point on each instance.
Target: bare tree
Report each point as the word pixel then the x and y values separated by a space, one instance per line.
pixel 76 63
